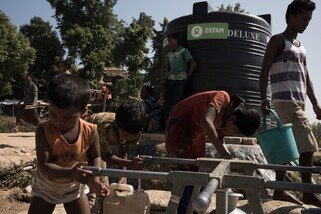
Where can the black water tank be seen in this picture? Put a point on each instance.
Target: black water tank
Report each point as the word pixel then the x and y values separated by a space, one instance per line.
pixel 228 47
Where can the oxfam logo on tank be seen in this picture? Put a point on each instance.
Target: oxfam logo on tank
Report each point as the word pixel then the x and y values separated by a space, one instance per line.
pixel 196 31
pixel 207 31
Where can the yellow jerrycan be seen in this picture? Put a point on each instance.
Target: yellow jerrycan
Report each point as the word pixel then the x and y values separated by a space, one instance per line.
pixel 123 199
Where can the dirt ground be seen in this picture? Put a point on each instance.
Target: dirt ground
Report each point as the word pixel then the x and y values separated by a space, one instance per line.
pixel 17 147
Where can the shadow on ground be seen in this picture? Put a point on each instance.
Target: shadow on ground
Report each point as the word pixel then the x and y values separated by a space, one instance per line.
pixel 21 136
pixel 2 146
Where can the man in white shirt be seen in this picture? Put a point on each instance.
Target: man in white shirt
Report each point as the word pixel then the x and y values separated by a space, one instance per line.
pixel 64 67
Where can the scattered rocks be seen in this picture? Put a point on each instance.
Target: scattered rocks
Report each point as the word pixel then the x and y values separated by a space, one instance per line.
pixel 21 195
pixel 24 150
pixel 280 207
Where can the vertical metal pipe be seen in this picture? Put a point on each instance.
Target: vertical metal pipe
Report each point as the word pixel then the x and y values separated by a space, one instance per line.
pixel 221 201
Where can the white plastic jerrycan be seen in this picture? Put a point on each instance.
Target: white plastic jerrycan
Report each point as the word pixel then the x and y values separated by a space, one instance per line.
pixel 123 199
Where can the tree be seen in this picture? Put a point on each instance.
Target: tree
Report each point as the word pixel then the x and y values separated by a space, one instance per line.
pixel 133 52
pixel 89 30
pixel 16 55
pixel 229 8
pixel 316 129
pixel 48 47
pixel 154 73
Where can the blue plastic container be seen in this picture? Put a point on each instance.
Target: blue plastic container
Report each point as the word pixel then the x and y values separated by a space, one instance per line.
pixel 278 144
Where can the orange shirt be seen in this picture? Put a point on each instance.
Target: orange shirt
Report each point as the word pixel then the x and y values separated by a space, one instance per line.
pixel 190 112
pixel 64 154
pixel 194 107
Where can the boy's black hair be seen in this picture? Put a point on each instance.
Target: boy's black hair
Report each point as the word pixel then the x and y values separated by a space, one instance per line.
pixel 149 89
pixel 297 6
pixel 236 101
pixel 66 63
pixel 175 36
pixel 69 90
pixel 248 120
pixel 131 117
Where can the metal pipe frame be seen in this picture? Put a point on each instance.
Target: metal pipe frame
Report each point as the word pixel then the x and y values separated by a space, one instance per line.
pixel 129 173
pixel 304 169
pixel 293 186
pixel 234 164
pixel 219 179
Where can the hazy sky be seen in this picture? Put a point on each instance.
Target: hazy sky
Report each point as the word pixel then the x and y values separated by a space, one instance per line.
pixel 20 12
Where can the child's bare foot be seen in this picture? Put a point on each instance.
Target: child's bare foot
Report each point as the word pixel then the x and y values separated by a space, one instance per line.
pixel 312 199
pixel 286 196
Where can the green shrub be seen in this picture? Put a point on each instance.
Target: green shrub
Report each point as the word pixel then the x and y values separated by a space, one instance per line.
pixel 295 177
pixel 16 175
pixel 8 123
pixel 317 161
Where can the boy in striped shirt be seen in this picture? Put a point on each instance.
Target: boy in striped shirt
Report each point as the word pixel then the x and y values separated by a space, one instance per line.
pixel 285 61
